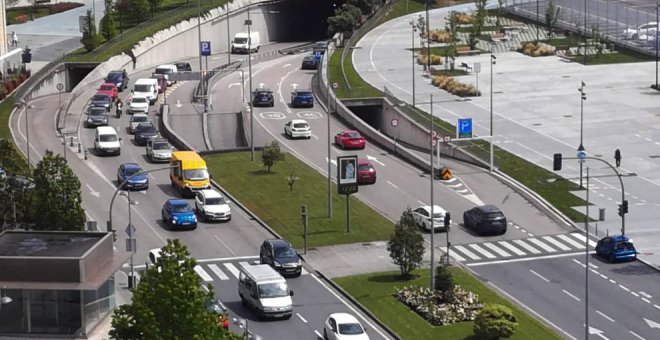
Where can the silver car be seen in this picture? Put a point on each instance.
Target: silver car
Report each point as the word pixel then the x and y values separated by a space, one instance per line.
pixel 159 150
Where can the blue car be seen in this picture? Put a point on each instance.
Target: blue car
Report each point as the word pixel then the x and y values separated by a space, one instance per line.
pixel 179 214
pixel 302 98
pixel 138 182
pixel 616 248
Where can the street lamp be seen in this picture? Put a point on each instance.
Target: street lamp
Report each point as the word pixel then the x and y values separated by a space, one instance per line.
pixel 428 68
pixel 657 19
pixel 538 26
pixel 4 299
pixel 585 32
pixel 492 139
pixel 248 22
pixel 412 41
pixel 583 97
pixel 22 103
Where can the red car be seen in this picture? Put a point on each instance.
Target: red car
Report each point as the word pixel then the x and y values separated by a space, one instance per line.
pixel 350 139
pixel 109 89
pixel 366 172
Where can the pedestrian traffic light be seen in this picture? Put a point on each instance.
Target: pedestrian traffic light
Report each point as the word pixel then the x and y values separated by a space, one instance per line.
pixel 556 162
pixel 447 219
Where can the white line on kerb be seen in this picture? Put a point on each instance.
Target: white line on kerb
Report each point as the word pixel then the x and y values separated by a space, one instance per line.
pixel 301 318
pixel 571 295
pixel 605 316
pixel 540 276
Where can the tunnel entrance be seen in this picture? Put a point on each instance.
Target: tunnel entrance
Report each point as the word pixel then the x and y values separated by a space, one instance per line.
pixel 76 72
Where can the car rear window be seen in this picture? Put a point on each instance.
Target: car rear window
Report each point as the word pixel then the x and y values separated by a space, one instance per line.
pixel 106 87
pixel 139 119
pixel 100 97
pixel 353 134
pixel 139 100
pixel 493 215
pixel 161 146
pixel 304 93
pixel 108 138
pixel 300 125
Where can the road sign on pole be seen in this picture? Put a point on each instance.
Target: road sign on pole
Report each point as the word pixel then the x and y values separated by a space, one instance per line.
pixel 464 128
pixel 395 122
pixel 205 48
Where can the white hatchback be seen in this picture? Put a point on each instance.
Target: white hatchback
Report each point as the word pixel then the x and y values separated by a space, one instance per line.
pixel 298 128
pixel 138 104
pixel 422 216
pixel 212 206
pixel 343 326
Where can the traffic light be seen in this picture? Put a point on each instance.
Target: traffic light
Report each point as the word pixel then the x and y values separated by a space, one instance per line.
pixel 447 219
pixel 556 162
pixel 620 214
pixel 623 208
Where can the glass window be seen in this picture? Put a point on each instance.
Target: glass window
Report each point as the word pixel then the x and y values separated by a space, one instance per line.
pixel 273 290
pixel 215 201
pixel 139 100
pixel 142 88
pixel 284 252
pixel 300 125
pixel 108 138
pixel 161 146
pixel 353 134
pixel 181 208
pixel 350 328
pixel 494 215
pixel 195 174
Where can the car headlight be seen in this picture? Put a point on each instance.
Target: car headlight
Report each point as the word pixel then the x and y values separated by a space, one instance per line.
pixel 174 218
pixel 194 218
pixel 277 264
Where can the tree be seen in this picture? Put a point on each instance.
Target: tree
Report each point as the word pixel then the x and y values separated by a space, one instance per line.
pixel 138 9
pixel 168 303
pixel 9 158
pixel 452 30
pixel 122 7
pixel 154 4
pixel 345 20
pixel 406 245
pixel 494 322
pixel 57 195
pixel 365 6
pixel 478 20
pixel 108 29
pixel 90 38
pixel 271 155
pixel 444 282
pixel 551 16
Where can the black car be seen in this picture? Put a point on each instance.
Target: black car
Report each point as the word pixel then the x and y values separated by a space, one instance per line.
pixel 119 78
pixel 181 67
pixel 320 46
pixel 263 97
pixel 485 219
pixel 101 100
pixel 309 63
pixel 96 116
pixel 144 132
pixel 280 255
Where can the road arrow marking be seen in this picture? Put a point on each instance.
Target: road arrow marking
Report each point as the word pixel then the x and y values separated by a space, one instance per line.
pixel 598 332
pixel 178 104
pixel 234 84
pixel 652 323
pixel 372 158
pixel 91 191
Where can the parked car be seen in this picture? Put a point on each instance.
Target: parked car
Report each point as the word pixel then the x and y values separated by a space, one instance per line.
pixel 137 182
pixel 263 97
pixel 485 219
pixel 162 82
pixel 137 119
pixel 280 255
pixel 178 213
pixel 422 216
pixel 635 33
pixel 144 132
pixel 101 100
pixel 343 326
pixel 138 104
pixel 366 172
pixel 350 139
pixel 159 150
pixel 183 67
pixel 96 116
pixel 309 63
pixel 119 78
pixel 615 248
pixel 109 89
pixel 212 206
pixel 298 128
pixel 302 98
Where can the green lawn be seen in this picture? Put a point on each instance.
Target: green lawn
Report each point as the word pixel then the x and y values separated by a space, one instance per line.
pixel 374 291
pixel 268 196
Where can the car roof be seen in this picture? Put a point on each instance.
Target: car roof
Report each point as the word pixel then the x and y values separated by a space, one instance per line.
pixel 101 94
pixel 145 124
pixel 620 238
pixel 263 89
pixel 131 166
pixel 109 84
pixel 436 208
pixel 295 121
pixel 105 130
pixel 489 208
pixel 210 193
pixel 139 115
pixel 344 318
pixel 363 161
pixel 277 243
pixel 177 201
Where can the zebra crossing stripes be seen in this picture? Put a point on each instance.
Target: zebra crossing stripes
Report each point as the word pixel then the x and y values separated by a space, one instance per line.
pixel 573 243
pixel 496 249
pixel 557 243
pixel 219 273
pixel 542 245
pixel 232 269
pixel 203 274
pixel 527 246
pixel 513 249
pixel 465 251
pixel 482 251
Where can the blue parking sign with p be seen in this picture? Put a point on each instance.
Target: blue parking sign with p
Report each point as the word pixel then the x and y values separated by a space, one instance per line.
pixel 205 48
pixel 464 128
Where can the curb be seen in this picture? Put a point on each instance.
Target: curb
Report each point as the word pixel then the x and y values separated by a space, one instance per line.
pixel 362 308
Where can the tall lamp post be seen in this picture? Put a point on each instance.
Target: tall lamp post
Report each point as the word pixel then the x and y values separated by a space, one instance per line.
pixel 538 26
pixel 583 97
pixel 585 32
pixel 412 41
pixel 492 139
pixel 27 106
pixel 248 22
pixel 428 69
pixel 657 19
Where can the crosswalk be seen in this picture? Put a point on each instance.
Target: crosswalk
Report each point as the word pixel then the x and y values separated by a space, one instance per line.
pixel 484 252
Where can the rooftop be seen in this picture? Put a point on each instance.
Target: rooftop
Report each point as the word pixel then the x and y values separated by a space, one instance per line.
pixel 52 244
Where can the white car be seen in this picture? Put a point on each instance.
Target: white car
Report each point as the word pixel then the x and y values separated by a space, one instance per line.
pixel 212 206
pixel 137 119
pixel 138 104
pixel 636 33
pixel 340 326
pixel 298 128
pixel 422 216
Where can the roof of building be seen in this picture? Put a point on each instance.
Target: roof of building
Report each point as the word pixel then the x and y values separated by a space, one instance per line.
pixel 53 244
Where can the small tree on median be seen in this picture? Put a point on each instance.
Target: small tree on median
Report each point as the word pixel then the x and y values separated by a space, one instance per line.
pixel 494 322
pixel 406 245
pixel 90 38
pixel 108 29
pixel 271 155
pixel 444 282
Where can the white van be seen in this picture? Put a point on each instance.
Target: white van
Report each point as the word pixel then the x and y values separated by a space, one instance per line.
pixel 265 290
pixel 244 42
pixel 168 71
pixel 106 141
pixel 146 87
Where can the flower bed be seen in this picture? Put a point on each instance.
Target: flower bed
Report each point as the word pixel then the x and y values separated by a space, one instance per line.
pixel 440 36
pixel 453 86
pixel 429 304
pixel 12 81
pixel 537 50
pixel 435 59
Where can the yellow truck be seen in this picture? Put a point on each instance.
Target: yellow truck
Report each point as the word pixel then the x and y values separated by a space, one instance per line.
pixel 188 172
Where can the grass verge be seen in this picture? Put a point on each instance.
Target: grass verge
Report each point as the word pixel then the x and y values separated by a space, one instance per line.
pixel 268 196
pixel 375 290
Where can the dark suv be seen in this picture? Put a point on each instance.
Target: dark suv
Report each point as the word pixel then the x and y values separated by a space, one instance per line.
pixel 280 255
pixel 263 97
pixel 485 219
pixel 119 78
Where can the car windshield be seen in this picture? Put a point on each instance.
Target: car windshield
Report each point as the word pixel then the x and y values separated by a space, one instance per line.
pixel 273 290
pixel 350 328
pixel 106 87
pixel 309 58
pixel 284 252
pixel 163 71
pixel 141 88
pixel 215 201
pixel 102 112
pixel 300 125
pixel 353 134
pixel 108 138
pixel 364 167
pixel 162 146
pixel 196 174
pixel 139 119
pixel 139 100
pixel 493 215
pixel 114 76
pixel 181 207
pixel 623 246
pixel 240 40
pixel 100 97
pixel 146 129
pixel 304 93
pixel 131 171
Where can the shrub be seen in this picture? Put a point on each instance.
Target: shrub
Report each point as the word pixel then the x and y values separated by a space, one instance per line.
pixel 537 50
pixel 440 36
pixel 453 86
pixel 62 7
pixel 494 322
pixel 9 86
pixel 461 306
pixel 19 19
pixel 462 18
pixel 435 59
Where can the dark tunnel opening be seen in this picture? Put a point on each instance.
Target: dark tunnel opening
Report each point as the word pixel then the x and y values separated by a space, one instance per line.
pixel 303 20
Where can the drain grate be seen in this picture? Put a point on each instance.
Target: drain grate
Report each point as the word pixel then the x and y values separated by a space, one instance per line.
pixel 654 156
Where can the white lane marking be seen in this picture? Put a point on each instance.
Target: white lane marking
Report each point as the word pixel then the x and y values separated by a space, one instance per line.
pixel 656 306
pixel 482 251
pixel 203 274
pixel 232 269
pixel 624 287
pixel 462 191
pixel 605 316
pixel 216 270
pixel 604 277
pixel 375 160
pixel 456 257
pixel 646 300
pixel 286 65
pixel 226 259
pixel 466 252
pixel 645 294
pixel 231 251
pixel 92 192
pixel 581 238
pixel 539 275
pixel 455 185
pixel 556 243
pixel 233 84
pixel 571 295
pixel 542 245
pixel 318 334
pixel 527 246
pixel 301 318
pixel 303 271
pixel 612 281
pixel 637 336
pixel 420 202
pixel 635 294
pixel 570 241
pixel 524 259
pixel 315 137
pixel 392 184
pixel 512 248
pixel 496 249
pixel 244 263
pixel 578 262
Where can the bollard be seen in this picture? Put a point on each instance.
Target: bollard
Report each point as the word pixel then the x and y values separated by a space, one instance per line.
pixel 85 154
pixel 79 148
pixel 71 141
